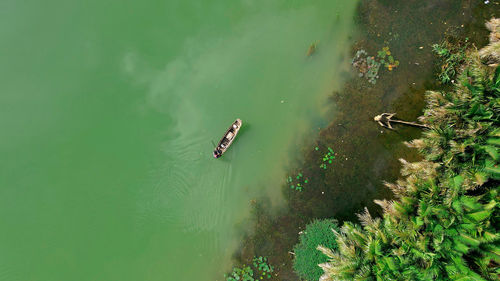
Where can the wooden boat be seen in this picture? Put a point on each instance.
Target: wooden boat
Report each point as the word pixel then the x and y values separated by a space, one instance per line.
pixel 228 138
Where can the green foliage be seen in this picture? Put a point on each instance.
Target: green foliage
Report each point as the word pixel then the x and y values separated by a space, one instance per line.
pixel 298 182
pixel 261 270
pixel 385 57
pixel 264 269
pixel 307 257
pixel 241 274
pixel 443 223
pixel 327 159
pixel 451 56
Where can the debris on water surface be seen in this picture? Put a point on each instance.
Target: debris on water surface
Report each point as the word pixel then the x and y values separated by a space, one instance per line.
pixel 312 48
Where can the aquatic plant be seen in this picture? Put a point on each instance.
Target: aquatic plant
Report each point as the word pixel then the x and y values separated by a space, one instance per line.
pixel 241 274
pixel 384 54
pixel 391 36
pixel 373 68
pixel 327 158
pixel 307 257
pixel 451 56
pixel 443 223
pixel 369 66
pixel 298 182
pixel 261 267
pixel 264 268
pixel 359 62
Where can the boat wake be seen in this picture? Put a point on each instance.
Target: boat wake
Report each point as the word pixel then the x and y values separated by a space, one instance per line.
pixel 186 192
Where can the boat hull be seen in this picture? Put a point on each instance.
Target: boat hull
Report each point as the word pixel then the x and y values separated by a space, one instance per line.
pixel 228 138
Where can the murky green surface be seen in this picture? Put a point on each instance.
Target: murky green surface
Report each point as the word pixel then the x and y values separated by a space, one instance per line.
pixel 107 113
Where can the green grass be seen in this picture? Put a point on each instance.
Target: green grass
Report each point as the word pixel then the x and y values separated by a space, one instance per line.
pixel 451 57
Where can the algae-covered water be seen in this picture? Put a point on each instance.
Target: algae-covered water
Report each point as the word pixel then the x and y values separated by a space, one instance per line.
pixel 108 110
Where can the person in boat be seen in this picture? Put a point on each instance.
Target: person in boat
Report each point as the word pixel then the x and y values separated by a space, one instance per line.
pixel 217 153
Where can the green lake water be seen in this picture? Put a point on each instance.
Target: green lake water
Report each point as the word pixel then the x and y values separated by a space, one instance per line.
pixel 107 114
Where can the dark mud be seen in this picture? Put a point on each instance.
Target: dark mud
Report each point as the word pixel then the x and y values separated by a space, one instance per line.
pixel 366 154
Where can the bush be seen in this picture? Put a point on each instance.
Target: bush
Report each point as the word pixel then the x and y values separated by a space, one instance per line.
pixel 307 257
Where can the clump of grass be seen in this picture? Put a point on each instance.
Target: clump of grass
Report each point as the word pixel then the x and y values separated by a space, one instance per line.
pixel 451 56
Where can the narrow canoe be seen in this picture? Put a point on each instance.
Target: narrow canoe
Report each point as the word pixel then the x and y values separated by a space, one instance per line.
pixel 228 138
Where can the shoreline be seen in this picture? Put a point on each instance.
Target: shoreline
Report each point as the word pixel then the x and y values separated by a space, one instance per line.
pixel 363 171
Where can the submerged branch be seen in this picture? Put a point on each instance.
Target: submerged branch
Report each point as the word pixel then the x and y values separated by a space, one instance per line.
pixel 385 121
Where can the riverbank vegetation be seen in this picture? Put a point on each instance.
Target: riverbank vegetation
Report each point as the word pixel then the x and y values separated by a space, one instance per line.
pixel 444 221
pixel 490 54
pixel 364 155
pixel 451 57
